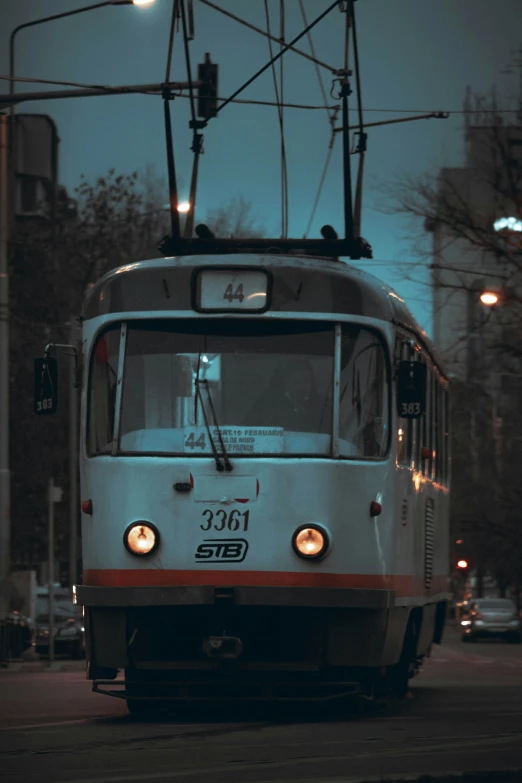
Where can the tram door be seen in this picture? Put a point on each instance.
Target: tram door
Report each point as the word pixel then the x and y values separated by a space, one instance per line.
pixel 413 500
pixel 423 472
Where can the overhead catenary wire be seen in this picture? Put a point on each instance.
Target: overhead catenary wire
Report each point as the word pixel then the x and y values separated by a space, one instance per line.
pixel 331 119
pixel 114 88
pixel 284 172
pixel 312 49
pixel 262 32
pixel 284 49
pixel 321 184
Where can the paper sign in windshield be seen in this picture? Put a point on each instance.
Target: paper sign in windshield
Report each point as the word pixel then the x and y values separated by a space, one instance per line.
pixel 237 440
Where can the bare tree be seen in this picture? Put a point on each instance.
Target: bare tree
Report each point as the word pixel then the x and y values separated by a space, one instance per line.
pixel 234 219
pixel 113 221
pixel 474 216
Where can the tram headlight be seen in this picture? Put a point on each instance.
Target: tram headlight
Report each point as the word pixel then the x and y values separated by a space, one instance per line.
pixel 141 538
pixel 310 542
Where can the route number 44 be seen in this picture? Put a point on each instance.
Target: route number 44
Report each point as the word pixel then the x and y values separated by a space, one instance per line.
pixel 192 443
pixel 230 294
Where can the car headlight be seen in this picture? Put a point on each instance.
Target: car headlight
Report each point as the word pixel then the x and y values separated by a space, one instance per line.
pixel 310 542
pixel 141 538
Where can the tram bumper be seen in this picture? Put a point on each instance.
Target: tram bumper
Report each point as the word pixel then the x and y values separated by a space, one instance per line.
pixel 273 628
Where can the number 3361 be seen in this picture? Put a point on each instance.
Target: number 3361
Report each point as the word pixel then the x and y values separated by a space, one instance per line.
pixel 222 520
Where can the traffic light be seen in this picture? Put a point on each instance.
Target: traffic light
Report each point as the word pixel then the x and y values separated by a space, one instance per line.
pixel 208 89
pixel 462 565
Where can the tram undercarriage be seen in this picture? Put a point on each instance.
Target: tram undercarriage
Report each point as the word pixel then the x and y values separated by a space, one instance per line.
pixel 241 651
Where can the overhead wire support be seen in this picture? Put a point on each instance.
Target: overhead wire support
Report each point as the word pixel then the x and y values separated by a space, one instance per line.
pixel 87 92
pixel 197 138
pixel 268 35
pixel 284 167
pixel 434 115
pixel 285 48
pixel 175 15
pixel 345 92
pixel 363 137
pixel 331 119
pixel 171 166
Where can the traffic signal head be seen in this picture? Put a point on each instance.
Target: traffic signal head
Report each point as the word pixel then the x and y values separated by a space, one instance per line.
pixel 208 89
pixel 462 565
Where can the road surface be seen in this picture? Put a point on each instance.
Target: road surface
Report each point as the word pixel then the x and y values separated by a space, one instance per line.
pixel 464 714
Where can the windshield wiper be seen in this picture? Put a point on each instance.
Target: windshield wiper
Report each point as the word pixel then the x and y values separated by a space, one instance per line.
pixel 199 396
pixel 219 466
pixel 226 459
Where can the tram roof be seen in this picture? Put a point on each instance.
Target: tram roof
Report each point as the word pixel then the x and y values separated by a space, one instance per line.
pixel 300 284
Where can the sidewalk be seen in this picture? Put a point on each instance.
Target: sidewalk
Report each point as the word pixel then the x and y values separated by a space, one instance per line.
pixel 31 662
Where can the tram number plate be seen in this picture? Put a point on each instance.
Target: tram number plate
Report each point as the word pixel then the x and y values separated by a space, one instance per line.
pixel 226 289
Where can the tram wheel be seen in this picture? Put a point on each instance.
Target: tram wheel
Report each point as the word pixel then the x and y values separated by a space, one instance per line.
pixel 136 685
pixel 140 707
pixel 401 673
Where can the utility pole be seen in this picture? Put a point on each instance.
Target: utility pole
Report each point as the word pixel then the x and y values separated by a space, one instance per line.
pixel 50 567
pixel 5 525
pixel 73 459
pixel 54 495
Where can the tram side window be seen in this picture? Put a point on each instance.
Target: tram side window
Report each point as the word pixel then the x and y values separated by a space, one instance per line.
pixel 446 419
pixel 102 392
pixel 407 429
pixel 437 430
pixel 364 395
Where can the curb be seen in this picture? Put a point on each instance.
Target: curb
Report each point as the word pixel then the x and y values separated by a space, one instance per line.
pixel 42 666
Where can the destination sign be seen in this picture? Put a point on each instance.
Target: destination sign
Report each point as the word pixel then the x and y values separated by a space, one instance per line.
pixel 237 440
pixel 223 290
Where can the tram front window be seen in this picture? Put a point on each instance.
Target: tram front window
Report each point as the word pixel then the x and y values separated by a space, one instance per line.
pixel 364 395
pixel 269 382
pixel 270 385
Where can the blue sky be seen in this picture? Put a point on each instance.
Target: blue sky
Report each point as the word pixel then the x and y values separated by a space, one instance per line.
pixel 415 55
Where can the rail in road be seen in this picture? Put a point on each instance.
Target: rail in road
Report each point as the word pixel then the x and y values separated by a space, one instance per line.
pixel 464 715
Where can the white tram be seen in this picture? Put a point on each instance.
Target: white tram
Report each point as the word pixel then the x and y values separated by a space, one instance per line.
pixel 257 520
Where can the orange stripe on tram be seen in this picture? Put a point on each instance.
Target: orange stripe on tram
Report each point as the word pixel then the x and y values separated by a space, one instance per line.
pixel 127 577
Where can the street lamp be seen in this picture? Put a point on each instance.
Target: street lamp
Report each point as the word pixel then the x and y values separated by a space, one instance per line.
pixel 60 16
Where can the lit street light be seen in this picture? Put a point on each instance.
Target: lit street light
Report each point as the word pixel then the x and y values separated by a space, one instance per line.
pixel 489 298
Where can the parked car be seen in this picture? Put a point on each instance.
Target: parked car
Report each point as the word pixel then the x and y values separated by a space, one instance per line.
pixel 491 617
pixel 69 632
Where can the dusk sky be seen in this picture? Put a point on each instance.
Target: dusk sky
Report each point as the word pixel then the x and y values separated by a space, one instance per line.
pixel 415 55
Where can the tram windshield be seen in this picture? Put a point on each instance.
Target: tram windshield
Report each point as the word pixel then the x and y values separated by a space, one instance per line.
pixel 270 385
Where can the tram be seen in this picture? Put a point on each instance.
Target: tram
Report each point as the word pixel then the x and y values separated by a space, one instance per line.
pixel 264 481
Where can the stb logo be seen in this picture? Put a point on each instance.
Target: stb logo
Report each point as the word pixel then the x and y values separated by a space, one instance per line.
pixel 224 550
